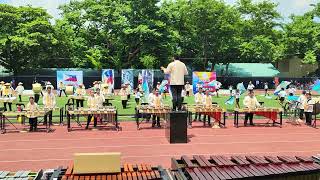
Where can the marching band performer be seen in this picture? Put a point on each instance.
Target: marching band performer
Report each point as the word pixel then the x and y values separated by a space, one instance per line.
pixel 199 98
pixel 308 108
pixel 49 102
pixel 282 95
pixel 207 99
pixel 7 93
pixel 33 120
pixel 80 92
pixel 158 86
pixel 62 88
pixel 99 99
pixel 48 84
pixel 137 96
pixel 128 89
pixel 237 96
pixel 20 90
pixel 91 105
pixel 1 87
pixel 124 97
pixel 218 86
pixel 302 101
pixel 250 86
pixel 188 89
pixel 250 102
pixel 157 103
pixel 230 89
pixel 266 87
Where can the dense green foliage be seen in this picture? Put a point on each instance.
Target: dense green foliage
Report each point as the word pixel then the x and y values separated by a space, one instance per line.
pixel 145 34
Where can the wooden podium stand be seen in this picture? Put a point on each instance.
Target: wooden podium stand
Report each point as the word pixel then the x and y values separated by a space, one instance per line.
pixel 176 127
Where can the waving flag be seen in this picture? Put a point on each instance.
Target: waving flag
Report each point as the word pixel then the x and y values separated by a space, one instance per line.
pixel 316 86
pixel 283 85
pixel 147 81
pixel 230 101
pixel 163 85
pixel 241 88
pixel 293 98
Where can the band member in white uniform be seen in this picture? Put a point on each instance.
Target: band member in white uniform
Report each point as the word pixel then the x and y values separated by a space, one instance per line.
pixel 19 90
pixel 33 120
pixel 49 102
pixel 251 103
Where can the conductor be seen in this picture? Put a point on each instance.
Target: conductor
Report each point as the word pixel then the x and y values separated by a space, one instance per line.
pixel 177 70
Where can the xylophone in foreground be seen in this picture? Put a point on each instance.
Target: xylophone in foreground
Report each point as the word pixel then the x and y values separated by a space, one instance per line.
pixel 245 167
pixel 214 111
pixel 270 113
pixel 108 115
pixel 128 172
pixel 21 175
pixel 145 111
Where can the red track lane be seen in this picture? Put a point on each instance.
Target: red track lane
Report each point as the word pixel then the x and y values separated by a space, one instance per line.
pixel 24 151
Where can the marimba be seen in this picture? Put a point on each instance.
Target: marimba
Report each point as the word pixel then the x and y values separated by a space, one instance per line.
pixel 8 99
pixel 21 175
pixel 146 110
pixel 25 114
pixel 109 112
pixel 213 111
pixel 245 167
pixel 128 171
pixel 269 113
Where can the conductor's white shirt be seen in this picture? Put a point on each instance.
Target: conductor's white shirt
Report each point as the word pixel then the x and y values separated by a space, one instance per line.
pixel 177 71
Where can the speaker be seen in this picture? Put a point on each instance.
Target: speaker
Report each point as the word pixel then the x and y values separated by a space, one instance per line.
pixel 176 127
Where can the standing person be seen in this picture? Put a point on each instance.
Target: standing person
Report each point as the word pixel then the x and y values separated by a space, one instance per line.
pixel 1 87
pixel 158 86
pixel 80 93
pixel 188 89
pixel 251 103
pixel 237 96
pixel 7 93
pixel 99 99
pixel 250 86
pixel 292 90
pixel 49 102
pixel 177 71
pixel 37 90
pixel 33 120
pixel 137 96
pixel 302 101
pixel 199 98
pixel 207 99
pixel 308 108
pixel 20 90
pixel 62 88
pixel 91 103
pixel 157 103
pixel 218 86
pixel 128 89
pixel 282 95
pixel 183 94
pixel 124 97
pixel 230 89
pixel 266 87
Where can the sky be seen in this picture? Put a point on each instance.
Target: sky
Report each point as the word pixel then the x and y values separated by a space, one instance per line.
pixel 286 7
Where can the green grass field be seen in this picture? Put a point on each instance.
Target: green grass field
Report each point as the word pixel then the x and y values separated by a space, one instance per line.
pixel 127 114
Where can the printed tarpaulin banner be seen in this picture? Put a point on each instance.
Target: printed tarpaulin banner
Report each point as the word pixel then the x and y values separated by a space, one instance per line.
pixel 108 77
pixel 147 81
pixel 316 86
pixel 127 77
pixel 206 80
pixel 70 78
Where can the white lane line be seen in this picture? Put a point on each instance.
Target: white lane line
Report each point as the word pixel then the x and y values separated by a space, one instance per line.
pixel 151 137
pixel 164 155
pixel 153 145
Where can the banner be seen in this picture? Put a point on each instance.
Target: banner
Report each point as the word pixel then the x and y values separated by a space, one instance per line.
pixel 73 78
pixel 316 86
pixel 127 77
pixel 108 77
pixel 206 80
pixel 147 81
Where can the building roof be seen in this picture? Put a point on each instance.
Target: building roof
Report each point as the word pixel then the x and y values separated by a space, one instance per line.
pixel 248 70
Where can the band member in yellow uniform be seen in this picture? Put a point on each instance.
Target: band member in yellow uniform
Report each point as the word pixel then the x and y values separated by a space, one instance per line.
pixel 124 97
pixel 33 120
pixel 198 97
pixel 80 92
pixel 207 102
pixel 19 90
pixel 91 105
pixel 7 93
pixel 49 102
pixel 99 99
pixel 157 103
pixel 62 88
pixel 250 102
pixel 128 89
pixel 1 87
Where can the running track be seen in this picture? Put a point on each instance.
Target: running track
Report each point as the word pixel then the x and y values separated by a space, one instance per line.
pixel 24 151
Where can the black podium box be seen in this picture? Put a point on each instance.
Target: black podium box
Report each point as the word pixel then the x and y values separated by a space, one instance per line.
pixel 176 127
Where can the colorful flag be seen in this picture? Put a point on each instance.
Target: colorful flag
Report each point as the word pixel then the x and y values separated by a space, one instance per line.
pixel 163 85
pixel 230 101
pixel 283 85
pixel 71 78
pixel 241 88
pixel 316 86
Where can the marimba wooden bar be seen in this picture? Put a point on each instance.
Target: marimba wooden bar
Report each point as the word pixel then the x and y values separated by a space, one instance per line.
pixel 109 113
pixel 245 167
pixel 146 110
pixel 128 172
pixel 269 113
pixel 214 112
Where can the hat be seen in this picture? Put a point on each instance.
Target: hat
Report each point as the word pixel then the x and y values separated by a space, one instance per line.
pixel 187 82
pixel 48 83
pixel 2 82
pixel 158 82
pixel 7 84
pixel 20 83
pixel 80 85
pixel 94 82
